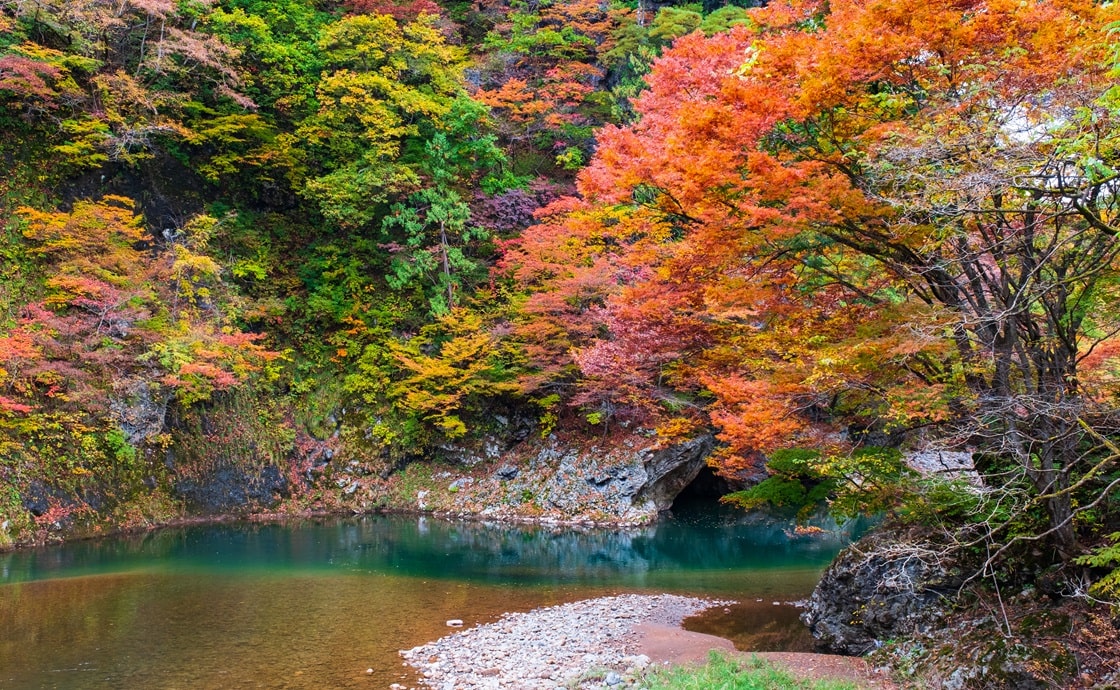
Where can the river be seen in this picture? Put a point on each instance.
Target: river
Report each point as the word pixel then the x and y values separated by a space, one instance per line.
pixel 315 603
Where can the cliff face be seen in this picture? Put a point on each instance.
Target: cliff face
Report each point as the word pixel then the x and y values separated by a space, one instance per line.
pixel 240 458
pixel 626 479
pixel 909 602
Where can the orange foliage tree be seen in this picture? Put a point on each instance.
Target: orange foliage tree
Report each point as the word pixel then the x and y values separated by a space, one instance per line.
pixel 542 76
pixel 888 215
pixel 115 312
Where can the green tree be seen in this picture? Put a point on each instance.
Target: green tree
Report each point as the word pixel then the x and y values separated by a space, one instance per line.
pixel 388 88
pixel 435 225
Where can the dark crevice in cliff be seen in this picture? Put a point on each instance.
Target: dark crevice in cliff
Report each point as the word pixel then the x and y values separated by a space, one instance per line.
pixel 705 489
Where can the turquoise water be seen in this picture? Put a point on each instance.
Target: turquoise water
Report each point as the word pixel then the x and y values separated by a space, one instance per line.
pixel 315 603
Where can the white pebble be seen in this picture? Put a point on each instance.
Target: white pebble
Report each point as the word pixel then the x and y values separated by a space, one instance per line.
pixel 548 647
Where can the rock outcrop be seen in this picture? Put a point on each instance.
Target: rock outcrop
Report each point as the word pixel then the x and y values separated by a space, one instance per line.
pixel 233 489
pixel 669 470
pixel 631 483
pixel 883 587
pixel 627 479
pixel 628 483
pixel 140 410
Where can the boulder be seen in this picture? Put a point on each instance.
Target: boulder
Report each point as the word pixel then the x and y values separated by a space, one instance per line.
pixel 882 587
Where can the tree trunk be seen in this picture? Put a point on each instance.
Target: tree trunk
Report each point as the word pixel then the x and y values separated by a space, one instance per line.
pixel 1064 537
pixel 446 265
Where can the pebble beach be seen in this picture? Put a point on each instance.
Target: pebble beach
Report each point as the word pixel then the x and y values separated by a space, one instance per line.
pixel 590 644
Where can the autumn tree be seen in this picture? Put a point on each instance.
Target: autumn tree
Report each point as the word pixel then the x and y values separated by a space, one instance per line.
pixel 887 216
pixel 113 310
pixel 401 11
pixel 127 71
pixel 542 76
pixel 987 189
pixel 118 334
pixel 201 350
pixel 99 292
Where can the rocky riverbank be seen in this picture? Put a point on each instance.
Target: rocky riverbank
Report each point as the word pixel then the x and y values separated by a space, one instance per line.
pixel 626 479
pixel 586 644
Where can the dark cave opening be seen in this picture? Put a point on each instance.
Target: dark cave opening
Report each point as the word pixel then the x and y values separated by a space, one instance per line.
pixel 702 493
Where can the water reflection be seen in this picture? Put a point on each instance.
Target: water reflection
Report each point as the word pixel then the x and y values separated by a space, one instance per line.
pixel 428 547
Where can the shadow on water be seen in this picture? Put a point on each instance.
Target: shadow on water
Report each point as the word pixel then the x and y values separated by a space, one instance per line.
pixel 314 603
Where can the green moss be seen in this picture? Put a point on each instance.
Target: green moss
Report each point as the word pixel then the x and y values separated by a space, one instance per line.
pixel 1045 623
pixel 15 522
pixel 732 674
pixel 242 428
pixel 316 410
pixel 413 479
pixel 146 509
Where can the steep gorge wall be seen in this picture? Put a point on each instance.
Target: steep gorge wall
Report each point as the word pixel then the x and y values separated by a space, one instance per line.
pixel 245 456
pixel 627 479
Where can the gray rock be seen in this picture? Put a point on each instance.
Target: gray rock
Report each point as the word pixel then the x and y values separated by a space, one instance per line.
pixel 231 487
pixel 669 470
pixel 944 463
pixel 882 587
pixel 629 485
pixel 508 472
pixel 141 411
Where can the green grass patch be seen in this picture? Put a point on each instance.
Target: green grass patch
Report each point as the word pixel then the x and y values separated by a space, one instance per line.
pixel 723 673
